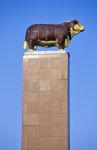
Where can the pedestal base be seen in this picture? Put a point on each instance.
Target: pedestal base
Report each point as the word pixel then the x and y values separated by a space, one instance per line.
pixel 45 101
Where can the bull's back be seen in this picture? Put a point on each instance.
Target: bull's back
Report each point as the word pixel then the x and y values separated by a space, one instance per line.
pixel 45 32
pixel 41 31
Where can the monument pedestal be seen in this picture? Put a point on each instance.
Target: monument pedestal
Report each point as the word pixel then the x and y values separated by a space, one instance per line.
pixel 45 101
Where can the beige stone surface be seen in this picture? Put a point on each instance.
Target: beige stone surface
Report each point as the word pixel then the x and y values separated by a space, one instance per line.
pixel 45 102
pixel 33 131
pixel 33 119
pixel 24 143
pixel 33 107
pixel 24 119
pixel 45 131
pixel 33 143
pixel 44 143
pixel 57 143
pixel 45 96
pixel 45 119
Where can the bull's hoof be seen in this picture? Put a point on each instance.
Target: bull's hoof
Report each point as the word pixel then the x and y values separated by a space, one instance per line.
pixel 61 49
pixel 35 47
pixel 31 50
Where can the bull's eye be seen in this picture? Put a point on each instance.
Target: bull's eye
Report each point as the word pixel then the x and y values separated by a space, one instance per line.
pixel 75 22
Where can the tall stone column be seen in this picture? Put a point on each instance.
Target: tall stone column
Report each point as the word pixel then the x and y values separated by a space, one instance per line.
pixel 45 101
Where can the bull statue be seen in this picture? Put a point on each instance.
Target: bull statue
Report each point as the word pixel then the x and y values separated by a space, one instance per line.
pixel 49 35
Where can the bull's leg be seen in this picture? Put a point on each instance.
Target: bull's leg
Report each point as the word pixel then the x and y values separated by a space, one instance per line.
pixel 31 46
pixel 67 41
pixel 61 44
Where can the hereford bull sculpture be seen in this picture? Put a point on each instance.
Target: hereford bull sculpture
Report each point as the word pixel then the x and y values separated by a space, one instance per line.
pixel 49 35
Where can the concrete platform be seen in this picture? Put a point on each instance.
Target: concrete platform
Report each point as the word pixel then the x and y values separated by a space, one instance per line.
pixel 45 101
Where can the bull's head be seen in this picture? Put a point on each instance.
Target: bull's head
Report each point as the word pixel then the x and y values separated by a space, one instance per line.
pixel 76 27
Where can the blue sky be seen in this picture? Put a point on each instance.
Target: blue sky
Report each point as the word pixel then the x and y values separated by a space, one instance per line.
pixel 15 17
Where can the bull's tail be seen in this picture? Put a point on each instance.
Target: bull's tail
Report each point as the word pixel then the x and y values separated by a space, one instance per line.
pixel 25 44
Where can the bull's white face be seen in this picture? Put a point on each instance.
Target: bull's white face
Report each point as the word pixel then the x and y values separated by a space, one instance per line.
pixel 76 28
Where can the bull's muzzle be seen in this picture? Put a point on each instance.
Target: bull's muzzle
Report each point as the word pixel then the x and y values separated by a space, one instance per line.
pixel 79 27
pixel 82 28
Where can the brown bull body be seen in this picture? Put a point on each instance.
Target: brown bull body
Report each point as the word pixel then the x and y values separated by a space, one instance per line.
pixel 48 35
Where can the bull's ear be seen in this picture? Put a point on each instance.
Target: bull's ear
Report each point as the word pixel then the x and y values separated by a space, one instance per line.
pixel 74 22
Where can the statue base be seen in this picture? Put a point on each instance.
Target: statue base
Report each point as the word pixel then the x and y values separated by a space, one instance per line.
pixel 45 101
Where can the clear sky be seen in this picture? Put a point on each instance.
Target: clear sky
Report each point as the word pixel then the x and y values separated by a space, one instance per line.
pixel 15 17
